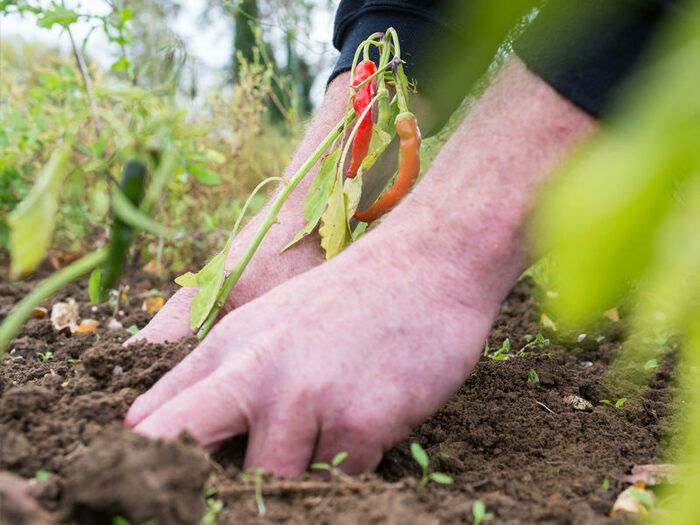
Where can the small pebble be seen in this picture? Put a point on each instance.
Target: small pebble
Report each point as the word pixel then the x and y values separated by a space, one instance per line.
pixel 585 364
pixel 578 403
pixel 118 370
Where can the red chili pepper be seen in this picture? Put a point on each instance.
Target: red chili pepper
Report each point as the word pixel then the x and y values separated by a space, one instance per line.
pixel 409 168
pixel 360 101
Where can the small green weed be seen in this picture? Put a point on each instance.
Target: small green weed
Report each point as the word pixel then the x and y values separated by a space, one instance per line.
pixel 501 354
pixel 42 475
pixel 214 507
pixel 45 356
pixel 651 364
pixel 331 467
pixel 533 379
pixel 539 341
pixel 479 512
pixel 421 457
pixel 72 361
pixel 617 404
pixel 255 475
pixel 606 484
pixel 133 329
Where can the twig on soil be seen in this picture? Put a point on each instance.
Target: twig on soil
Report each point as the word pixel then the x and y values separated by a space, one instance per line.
pixel 351 485
pixel 546 407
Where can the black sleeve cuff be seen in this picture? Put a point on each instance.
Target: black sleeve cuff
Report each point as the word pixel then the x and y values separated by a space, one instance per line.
pixel 414 27
pixel 585 49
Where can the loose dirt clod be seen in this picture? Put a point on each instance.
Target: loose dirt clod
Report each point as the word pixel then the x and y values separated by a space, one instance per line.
pixel 124 474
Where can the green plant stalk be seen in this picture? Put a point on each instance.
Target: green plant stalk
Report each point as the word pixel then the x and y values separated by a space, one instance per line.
pixel 270 219
pixel 23 310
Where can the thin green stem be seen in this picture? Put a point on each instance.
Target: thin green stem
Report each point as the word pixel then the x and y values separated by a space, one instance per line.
pixel 260 186
pixel 12 324
pixel 373 76
pixel 270 219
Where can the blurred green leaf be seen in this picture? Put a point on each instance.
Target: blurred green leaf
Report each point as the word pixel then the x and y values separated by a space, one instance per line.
pixel 134 217
pixel 57 14
pixel 334 225
pixel 420 455
pixel 352 192
pixel 204 175
pixel 32 221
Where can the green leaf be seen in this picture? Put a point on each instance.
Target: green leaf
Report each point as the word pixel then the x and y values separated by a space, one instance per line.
pixel 320 466
pixel 122 65
pixel 334 225
pixel 443 479
pixel 32 221
pixel 187 280
pixel 420 455
pixel 95 286
pixel 42 475
pixel 204 176
pixel 134 217
pixel 339 458
pixel 620 402
pixel 318 195
pixel 133 329
pixel 651 364
pixel 209 281
pixel 58 14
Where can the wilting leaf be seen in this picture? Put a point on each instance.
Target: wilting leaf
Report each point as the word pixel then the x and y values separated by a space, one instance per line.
pixel 318 195
pixel 352 192
pixel 334 226
pixel 32 221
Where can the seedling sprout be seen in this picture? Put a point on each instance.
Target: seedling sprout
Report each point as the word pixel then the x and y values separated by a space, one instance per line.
pixel 421 457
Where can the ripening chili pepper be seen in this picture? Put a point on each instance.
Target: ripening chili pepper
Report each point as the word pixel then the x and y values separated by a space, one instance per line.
pixel 360 101
pixel 409 167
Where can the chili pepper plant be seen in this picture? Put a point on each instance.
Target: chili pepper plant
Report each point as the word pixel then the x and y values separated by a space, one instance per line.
pixel 379 100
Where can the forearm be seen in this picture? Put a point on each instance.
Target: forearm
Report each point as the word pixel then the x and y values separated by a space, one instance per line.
pixel 471 209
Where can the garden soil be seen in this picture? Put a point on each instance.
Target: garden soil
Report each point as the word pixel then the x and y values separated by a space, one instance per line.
pixel 531 457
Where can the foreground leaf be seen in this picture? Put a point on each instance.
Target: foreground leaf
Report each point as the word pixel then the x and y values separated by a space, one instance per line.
pixel 318 195
pixel 334 225
pixel 32 221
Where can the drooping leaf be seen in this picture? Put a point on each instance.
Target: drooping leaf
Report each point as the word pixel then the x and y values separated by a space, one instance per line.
pixel 32 221
pixel 134 217
pixel 334 230
pixel 209 281
pixel 318 195
pixel 352 192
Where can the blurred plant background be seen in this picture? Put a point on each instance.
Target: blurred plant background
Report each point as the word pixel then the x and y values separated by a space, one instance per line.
pixel 221 128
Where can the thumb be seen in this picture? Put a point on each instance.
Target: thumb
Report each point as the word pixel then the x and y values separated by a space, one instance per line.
pixel 171 323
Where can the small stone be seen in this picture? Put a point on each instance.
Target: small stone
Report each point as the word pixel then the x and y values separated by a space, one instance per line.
pixel 65 315
pixel 118 370
pixel 113 324
pixel 578 403
pixel 585 364
pixel 40 312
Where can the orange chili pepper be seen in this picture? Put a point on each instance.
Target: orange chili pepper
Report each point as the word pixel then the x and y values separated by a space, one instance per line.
pixel 409 168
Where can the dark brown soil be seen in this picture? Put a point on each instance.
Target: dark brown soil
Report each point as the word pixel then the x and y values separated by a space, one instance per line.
pixel 525 452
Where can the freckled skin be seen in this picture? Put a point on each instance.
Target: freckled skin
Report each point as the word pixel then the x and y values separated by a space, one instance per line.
pixel 351 354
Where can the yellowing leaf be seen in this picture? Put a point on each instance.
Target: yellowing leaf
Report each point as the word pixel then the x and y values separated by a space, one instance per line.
pixel 209 281
pixel 32 221
pixel 612 314
pixel 86 326
pixel 318 195
pixel 352 191
pixel 334 225
pixel 547 322
pixel 152 305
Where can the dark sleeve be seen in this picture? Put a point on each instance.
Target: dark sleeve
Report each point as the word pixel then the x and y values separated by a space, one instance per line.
pixel 415 21
pixel 586 48
pixel 583 48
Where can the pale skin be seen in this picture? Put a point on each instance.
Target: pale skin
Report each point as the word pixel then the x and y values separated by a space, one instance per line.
pixel 313 359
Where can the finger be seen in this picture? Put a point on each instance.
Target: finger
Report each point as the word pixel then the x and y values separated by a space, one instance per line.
pixel 361 443
pixel 192 369
pixel 171 323
pixel 283 444
pixel 210 411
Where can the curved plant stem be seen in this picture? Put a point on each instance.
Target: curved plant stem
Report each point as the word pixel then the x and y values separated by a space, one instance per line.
pixel 23 310
pixel 250 198
pixel 270 219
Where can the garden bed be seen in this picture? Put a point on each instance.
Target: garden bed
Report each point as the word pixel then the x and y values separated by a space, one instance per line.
pixel 521 448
